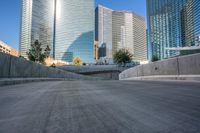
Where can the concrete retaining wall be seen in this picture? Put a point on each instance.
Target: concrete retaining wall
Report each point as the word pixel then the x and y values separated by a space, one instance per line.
pixel 13 67
pixel 105 75
pixel 4 65
pixel 103 71
pixel 93 68
pixel 189 64
pixel 185 65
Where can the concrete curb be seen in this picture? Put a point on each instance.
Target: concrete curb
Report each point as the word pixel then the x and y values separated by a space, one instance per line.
pixel 167 77
pixel 14 81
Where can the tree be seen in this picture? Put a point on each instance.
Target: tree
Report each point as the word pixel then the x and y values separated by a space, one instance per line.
pixel 123 56
pixel 36 54
pixel 47 51
pixel 77 61
pixel 155 58
pixel 20 56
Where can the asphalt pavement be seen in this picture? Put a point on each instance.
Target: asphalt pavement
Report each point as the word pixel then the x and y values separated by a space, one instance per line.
pixel 100 107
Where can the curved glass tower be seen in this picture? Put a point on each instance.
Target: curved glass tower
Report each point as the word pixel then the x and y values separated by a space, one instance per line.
pixel 36 24
pixel 172 23
pixel 74 30
pixel 67 26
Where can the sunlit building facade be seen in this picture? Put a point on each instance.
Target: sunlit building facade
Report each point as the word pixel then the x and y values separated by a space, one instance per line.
pixel 67 26
pixel 123 31
pixel 116 30
pixel 171 24
pixel 5 48
pixel 103 23
pixel 75 30
pixel 36 24
pixel 139 38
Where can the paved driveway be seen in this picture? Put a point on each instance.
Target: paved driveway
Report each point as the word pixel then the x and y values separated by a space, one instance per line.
pixel 100 107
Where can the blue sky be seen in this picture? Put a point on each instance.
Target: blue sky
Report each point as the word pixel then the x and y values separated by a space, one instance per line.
pixel 10 16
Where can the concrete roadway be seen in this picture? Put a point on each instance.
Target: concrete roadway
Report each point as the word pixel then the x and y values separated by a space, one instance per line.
pixel 100 107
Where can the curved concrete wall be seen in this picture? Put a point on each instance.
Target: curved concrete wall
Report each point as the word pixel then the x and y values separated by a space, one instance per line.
pixel 185 65
pixel 112 75
pixel 103 71
pixel 92 68
pixel 13 67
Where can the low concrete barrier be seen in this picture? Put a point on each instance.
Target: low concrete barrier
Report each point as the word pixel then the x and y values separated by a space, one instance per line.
pixel 103 71
pixel 166 67
pixel 112 75
pixel 189 64
pixel 185 65
pixel 93 68
pixel 4 64
pixel 13 67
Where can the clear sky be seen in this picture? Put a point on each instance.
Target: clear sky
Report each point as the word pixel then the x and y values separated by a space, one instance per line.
pixel 10 16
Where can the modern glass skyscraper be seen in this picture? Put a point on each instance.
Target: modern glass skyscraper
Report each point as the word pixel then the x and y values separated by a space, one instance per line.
pixel 103 22
pixel 139 38
pixel 75 30
pixel 172 23
pixel 36 24
pixel 121 29
pixel 67 26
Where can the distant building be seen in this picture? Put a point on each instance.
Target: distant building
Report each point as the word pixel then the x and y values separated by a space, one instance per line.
pixel 66 26
pixel 36 24
pixel 96 51
pixel 172 24
pixel 123 31
pixel 103 32
pixel 7 49
pixel 120 29
pixel 75 25
pixel 139 38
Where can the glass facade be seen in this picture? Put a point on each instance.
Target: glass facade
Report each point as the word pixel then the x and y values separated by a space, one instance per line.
pixel 104 31
pixel 75 30
pixel 139 38
pixel 42 22
pixel 37 24
pixel 120 29
pixel 123 31
pixel 26 21
pixel 172 23
pixel 67 26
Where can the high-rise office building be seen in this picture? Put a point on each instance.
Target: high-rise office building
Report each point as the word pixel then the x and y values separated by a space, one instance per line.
pixel 139 38
pixel 103 33
pixel 123 31
pixel 66 26
pixel 75 30
pixel 171 24
pixel 36 24
pixel 120 29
